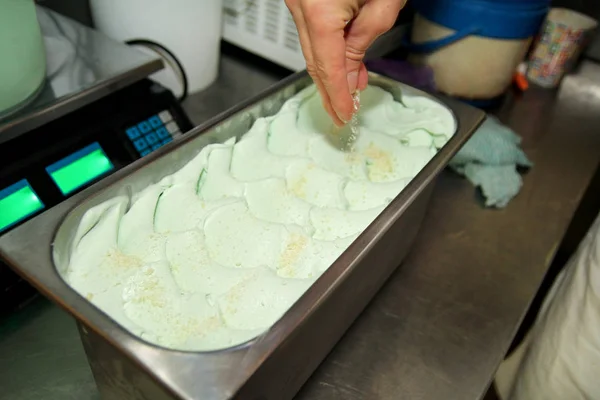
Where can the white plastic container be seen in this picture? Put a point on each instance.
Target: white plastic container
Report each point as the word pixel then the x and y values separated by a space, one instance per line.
pixel 190 29
pixel 474 67
pixel 566 33
pixel 474 46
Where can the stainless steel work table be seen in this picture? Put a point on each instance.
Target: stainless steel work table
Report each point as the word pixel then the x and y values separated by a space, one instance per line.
pixel 442 324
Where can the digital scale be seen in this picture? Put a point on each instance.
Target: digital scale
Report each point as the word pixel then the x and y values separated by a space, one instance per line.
pixel 73 135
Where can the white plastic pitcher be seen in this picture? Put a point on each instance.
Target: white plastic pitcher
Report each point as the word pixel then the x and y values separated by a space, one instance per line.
pixel 22 55
pixel 190 29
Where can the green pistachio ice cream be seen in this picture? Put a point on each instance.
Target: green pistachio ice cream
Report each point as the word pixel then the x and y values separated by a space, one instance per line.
pixel 215 254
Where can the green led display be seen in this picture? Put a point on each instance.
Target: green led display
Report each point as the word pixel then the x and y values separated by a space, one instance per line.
pixel 82 167
pixel 16 203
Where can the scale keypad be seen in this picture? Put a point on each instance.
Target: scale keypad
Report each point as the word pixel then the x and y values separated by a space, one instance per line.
pixel 153 133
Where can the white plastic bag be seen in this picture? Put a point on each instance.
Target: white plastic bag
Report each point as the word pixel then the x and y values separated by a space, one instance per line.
pixel 560 360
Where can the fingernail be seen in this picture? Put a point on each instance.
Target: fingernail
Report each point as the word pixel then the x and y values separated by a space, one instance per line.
pixel 344 120
pixel 339 124
pixel 352 81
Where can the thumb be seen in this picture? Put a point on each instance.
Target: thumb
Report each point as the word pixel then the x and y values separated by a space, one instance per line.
pixel 374 19
pixel 357 79
pixel 356 48
pixel 353 75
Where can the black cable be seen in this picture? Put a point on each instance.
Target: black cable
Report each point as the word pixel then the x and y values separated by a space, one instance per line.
pixel 154 46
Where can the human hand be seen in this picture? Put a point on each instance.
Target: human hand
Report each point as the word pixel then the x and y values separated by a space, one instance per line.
pixel 335 35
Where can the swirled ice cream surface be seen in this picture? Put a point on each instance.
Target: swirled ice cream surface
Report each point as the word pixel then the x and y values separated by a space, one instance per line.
pixel 213 255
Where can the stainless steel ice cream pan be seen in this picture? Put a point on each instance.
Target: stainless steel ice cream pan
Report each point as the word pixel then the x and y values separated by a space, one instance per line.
pixel 275 365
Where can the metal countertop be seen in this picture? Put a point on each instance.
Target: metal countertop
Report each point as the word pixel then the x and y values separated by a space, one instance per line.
pixel 442 324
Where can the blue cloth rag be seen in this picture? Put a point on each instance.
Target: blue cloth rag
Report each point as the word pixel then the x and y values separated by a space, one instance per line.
pixel 490 160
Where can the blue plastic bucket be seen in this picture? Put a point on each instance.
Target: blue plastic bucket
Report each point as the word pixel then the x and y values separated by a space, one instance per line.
pixel 500 19
pixel 474 46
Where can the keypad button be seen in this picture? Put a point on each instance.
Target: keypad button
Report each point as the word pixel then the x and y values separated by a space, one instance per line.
pixel 145 152
pixel 155 122
pixel 172 127
pixel 165 116
pixel 140 144
pixel 167 140
pixel 151 138
pixel 156 146
pixel 133 133
pixel 144 127
pixel 162 133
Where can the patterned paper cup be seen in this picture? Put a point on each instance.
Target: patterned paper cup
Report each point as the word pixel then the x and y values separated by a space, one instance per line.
pixel 564 35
